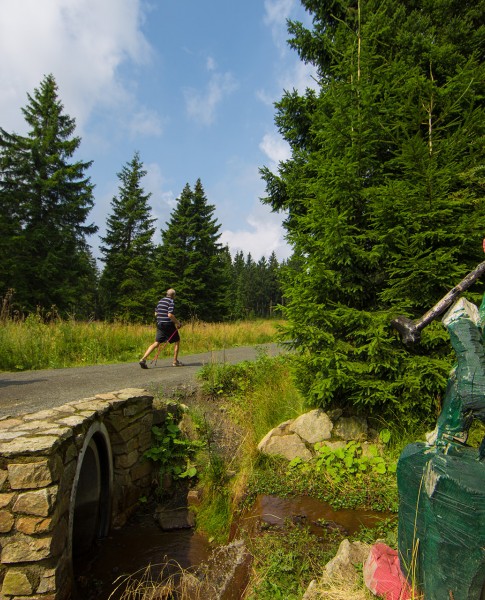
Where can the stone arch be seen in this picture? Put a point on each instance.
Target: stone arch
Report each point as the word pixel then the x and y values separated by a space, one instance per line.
pixel 91 495
pixel 88 451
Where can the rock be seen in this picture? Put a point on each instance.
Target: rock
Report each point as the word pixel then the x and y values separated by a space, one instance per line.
pixel 369 449
pixel 16 583
pixel 281 429
pixel 178 518
pixel 194 497
pixel 335 445
pixel 351 428
pixel 224 575
pixel 334 413
pixel 21 549
pixel 288 446
pixel 38 503
pixel 314 426
pixel 348 556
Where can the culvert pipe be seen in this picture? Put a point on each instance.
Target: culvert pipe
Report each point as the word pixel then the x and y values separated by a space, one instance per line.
pixel 90 502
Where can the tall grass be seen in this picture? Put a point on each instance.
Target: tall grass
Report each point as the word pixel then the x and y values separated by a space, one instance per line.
pixel 33 343
pixel 256 397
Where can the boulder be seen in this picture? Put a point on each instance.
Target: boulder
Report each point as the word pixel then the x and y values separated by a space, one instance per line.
pixel 314 426
pixel 312 592
pixel 349 555
pixel 289 446
pixel 350 428
pixel 177 518
pixel 281 429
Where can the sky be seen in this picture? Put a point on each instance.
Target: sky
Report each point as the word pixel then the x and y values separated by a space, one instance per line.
pixel 188 84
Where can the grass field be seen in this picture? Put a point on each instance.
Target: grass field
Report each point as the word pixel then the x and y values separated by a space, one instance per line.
pixel 34 344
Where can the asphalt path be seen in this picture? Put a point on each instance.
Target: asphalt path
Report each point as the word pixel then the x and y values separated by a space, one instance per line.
pixel 32 391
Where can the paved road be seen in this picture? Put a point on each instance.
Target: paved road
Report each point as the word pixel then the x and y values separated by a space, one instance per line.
pixel 31 391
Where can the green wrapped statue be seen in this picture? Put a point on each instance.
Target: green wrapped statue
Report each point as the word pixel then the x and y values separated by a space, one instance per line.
pixel 442 482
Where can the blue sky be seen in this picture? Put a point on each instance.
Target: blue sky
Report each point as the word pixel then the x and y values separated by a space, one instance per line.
pixel 189 84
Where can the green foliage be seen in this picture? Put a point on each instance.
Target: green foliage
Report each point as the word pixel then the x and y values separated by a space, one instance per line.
pixel 220 379
pixel 371 490
pixel 69 343
pixel 286 562
pixel 254 289
pixel 260 393
pixel 172 451
pixel 214 516
pixel 45 198
pixel 192 260
pixel 128 278
pixel 341 464
pixel 386 530
pixel 383 195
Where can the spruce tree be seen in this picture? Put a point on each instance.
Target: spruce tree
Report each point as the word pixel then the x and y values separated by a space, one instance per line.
pixel 192 260
pixel 45 198
pixel 237 283
pixel 273 287
pixel 128 279
pixel 384 211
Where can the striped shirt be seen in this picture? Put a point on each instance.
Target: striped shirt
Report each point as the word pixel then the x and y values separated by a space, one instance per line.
pixel 165 306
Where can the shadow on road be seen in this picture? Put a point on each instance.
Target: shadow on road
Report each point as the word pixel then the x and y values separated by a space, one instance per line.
pixel 7 382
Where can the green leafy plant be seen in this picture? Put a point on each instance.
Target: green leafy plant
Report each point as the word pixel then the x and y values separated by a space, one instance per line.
pixel 173 451
pixel 349 460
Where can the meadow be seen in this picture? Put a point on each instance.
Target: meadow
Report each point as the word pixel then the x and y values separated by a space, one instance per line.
pixel 34 343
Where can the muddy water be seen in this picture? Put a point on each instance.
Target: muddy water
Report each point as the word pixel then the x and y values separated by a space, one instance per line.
pixel 316 514
pixel 142 542
pixel 132 549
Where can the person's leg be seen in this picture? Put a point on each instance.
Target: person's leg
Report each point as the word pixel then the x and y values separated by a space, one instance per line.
pixel 176 347
pixel 150 349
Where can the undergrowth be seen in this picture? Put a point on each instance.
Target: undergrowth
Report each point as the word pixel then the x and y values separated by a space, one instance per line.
pixel 285 561
pixel 258 396
pixel 248 400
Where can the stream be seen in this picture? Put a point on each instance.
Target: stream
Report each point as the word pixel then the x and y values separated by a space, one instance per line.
pixel 142 546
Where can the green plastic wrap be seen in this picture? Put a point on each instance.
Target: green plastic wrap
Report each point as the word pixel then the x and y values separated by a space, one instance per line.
pixel 441 484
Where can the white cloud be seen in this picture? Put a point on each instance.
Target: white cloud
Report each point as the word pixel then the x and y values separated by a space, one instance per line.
pixel 300 77
pixel 277 11
pixel 201 106
pixel 162 200
pixel 211 64
pixel 146 122
pixel 265 97
pixel 81 42
pixel 264 236
pixel 276 14
pixel 275 148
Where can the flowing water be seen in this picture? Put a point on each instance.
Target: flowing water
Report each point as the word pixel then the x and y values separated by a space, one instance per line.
pixel 141 542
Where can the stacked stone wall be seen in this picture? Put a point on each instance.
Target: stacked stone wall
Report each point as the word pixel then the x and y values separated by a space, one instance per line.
pixel 39 454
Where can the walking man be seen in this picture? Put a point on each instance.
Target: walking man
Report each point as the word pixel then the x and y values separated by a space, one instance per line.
pixel 167 329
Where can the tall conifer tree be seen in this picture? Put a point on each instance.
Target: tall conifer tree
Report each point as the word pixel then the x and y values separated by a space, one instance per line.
pixel 384 211
pixel 45 198
pixel 192 260
pixel 128 279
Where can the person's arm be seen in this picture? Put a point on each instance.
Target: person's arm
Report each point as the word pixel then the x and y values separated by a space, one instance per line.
pixel 172 316
pixel 174 320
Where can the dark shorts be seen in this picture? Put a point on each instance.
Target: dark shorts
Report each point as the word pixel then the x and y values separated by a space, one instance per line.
pixel 167 332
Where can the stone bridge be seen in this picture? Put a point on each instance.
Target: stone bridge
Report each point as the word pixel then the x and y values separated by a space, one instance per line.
pixel 67 475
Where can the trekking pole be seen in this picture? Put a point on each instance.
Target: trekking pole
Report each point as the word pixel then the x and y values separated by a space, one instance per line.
pixel 161 347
